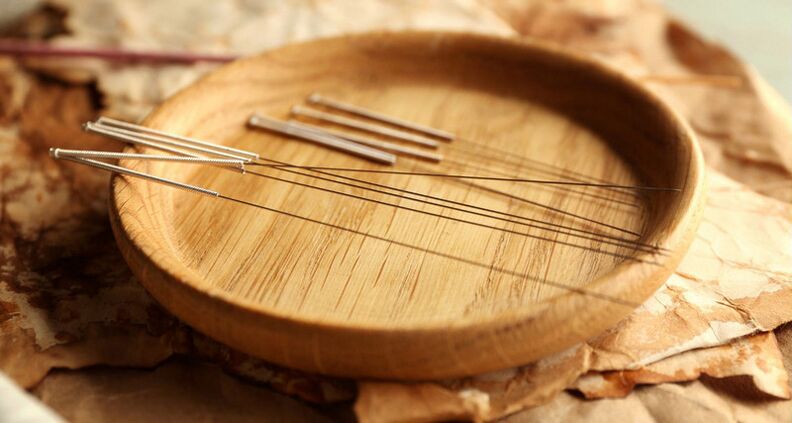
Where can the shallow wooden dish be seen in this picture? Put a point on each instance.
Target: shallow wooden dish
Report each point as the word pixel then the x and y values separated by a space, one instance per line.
pixel 322 299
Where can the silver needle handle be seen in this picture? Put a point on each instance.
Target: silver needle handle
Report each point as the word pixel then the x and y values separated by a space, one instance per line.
pixel 286 128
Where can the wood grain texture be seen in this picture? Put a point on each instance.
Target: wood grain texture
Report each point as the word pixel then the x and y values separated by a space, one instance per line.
pixel 376 291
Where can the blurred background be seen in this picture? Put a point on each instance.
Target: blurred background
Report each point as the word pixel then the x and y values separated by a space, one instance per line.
pixel 760 32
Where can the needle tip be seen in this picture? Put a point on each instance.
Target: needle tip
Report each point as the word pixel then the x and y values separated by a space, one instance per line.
pixel 314 98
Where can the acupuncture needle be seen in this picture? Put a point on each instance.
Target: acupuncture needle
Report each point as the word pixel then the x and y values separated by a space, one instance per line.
pixel 285 128
pixel 287 165
pixel 384 145
pixel 106 121
pixel 84 156
pixel 459 220
pixel 620 242
pixel 381 130
pixel 317 98
pixel 215 194
pixel 408 151
pixel 364 126
pixel 621 200
pixel 561 211
pixel 476 177
pixel 498 192
pixel 464 260
pixel 59 153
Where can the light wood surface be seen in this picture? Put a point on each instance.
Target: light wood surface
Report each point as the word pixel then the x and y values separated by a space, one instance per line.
pixel 365 289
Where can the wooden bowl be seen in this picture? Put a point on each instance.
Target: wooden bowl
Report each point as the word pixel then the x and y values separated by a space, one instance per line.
pixel 362 289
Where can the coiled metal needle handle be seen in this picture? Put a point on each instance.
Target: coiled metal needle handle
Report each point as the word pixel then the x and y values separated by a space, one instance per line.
pixel 129 172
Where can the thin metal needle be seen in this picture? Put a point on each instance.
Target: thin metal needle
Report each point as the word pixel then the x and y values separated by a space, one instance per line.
pixel 388 146
pixel 489 210
pixel 478 177
pixel 363 126
pixel 571 191
pixel 285 128
pixel 503 270
pixel 204 191
pixel 536 224
pixel 157 141
pixel 59 153
pixel 455 219
pixel 316 98
pixel 114 132
pixel 106 121
pixel 129 172
pixel 518 161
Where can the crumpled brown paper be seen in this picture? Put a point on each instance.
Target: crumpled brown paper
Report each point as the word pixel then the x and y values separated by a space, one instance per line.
pixel 67 299
pixel 491 397
pixel 732 399
pixel 721 292
pixel 180 390
pixel 735 280
pixel 756 356
pixel 633 35
pixel 706 400
pixel 484 397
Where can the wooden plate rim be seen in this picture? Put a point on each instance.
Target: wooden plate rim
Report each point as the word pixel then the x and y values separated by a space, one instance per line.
pixel 677 239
